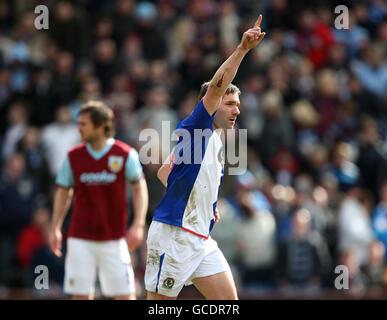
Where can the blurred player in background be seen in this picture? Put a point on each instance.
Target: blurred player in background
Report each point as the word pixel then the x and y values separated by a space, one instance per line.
pixel 180 250
pixel 96 172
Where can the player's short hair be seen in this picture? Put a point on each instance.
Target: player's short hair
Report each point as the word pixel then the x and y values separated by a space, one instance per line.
pixel 100 115
pixel 231 89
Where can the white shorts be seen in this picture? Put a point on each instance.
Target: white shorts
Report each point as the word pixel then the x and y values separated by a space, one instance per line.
pixel 175 257
pixel 110 259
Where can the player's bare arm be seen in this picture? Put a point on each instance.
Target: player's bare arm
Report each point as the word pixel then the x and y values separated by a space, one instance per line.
pixel 140 203
pixel 165 170
pixel 62 201
pixel 227 71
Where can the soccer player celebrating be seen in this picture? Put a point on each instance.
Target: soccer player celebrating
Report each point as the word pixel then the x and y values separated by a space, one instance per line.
pixel 180 250
pixel 97 171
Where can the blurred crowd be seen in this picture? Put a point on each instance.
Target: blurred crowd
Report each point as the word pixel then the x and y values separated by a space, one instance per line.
pixel 314 102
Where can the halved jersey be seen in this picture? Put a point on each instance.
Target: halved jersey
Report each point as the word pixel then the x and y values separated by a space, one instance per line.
pixel 193 184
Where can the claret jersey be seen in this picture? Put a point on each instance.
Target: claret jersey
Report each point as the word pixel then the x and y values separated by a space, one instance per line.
pixel 100 193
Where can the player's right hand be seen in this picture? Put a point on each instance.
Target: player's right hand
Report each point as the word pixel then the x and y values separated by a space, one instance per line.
pixel 55 242
pixel 252 37
pixel 134 236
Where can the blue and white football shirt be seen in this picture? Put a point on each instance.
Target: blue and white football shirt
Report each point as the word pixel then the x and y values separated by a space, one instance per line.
pixel 192 189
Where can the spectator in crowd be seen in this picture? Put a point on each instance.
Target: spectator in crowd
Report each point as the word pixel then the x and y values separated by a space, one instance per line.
pixel 379 218
pixel 225 235
pixel 246 182
pixel 375 270
pixel 107 64
pixel 64 86
pixel 314 37
pixel 33 237
pixel 343 166
pixel 354 224
pixel 123 20
pixel 370 158
pixel 304 258
pixel 255 238
pixel 157 114
pixel 18 122
pixel 355 282
pixel 153 40
pixel 372 70
pixel 226 231
pixel 325 100
pixel 355 38
pixel 58 138
pixel 69 28
pixel 252 117
pixel 36 164
pixel 276 133
pixel 305 121
pixel 18 194
pixel 33 250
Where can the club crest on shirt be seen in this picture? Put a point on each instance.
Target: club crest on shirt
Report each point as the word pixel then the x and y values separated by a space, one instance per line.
pixel 115 163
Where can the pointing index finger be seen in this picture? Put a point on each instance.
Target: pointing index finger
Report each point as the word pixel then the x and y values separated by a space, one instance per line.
pixel 258 22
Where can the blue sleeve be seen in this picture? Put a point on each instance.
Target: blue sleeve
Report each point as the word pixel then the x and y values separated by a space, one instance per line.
pixel 65 176
pixel 198 119
pixel 133 168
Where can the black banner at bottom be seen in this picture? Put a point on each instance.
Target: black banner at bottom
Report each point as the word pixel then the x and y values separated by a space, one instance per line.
pixel 190 309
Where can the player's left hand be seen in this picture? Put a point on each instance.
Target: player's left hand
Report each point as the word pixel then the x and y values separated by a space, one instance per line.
pixel 135 236
pixel 252 37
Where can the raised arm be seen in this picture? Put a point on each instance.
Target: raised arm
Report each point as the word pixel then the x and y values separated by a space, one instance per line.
pixel 227 71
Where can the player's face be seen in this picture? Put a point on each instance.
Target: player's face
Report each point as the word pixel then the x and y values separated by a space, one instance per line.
pixel 228 111
pixel 86 128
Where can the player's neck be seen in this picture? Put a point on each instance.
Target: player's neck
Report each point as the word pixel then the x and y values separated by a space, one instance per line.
pixel 217 129
pixel 98 144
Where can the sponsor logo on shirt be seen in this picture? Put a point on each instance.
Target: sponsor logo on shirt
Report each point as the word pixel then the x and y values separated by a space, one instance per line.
pixel 98 177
